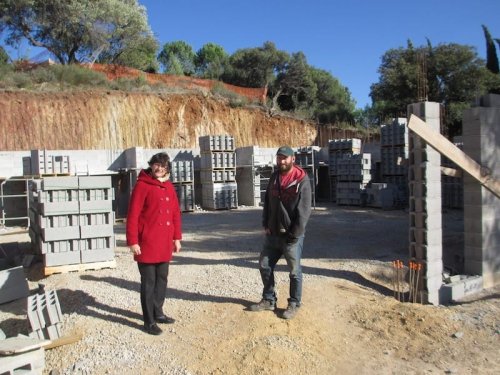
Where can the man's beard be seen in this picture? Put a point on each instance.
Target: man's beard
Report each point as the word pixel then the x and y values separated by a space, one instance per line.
pixel 285 167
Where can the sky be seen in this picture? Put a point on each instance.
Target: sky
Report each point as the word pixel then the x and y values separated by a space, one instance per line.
pixel 347 38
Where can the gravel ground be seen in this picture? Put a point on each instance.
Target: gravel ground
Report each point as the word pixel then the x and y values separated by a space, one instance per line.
pixel 349 321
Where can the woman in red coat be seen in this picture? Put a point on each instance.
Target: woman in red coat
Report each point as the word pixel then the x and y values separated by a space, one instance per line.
pixel 153 234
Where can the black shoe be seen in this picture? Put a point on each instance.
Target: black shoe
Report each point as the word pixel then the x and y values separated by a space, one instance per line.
pixel 163 319
pixel 153 329
pixel 263 305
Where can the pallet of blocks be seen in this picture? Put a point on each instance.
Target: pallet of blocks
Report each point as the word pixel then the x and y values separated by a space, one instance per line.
pixel 71 222
pixel 218 172
pixel 182 176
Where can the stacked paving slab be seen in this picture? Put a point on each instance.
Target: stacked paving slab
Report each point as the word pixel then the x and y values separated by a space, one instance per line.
pixel 338 149
pixel 218 172
pixel 481 141
pixel 71 219
pixel 394 152
pixel 182 176
pixel 424 176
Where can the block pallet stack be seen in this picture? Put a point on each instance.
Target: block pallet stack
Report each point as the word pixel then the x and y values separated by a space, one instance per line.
pixel 41 163
pixel 353 174
pixel 254 166
pixel 306 158
pixel 338 149
pixel 218 172
pixel 394 154
pixel 452 187
pixel 71 219
pixel 182 176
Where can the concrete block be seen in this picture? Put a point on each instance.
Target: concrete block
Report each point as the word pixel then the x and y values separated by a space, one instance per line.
pixel 94 231
pixel 434 269
pixel 60 183
pixel 59 234
pixel 13 284
pixel 61 259
pixel 94 182
pixel 467 285
pixel 95 206
pixel 31 362
pixel 58 208
pixel 93 256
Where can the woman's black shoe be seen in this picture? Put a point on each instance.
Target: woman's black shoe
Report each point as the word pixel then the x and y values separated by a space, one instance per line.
pixel 163 319
pixel 153 329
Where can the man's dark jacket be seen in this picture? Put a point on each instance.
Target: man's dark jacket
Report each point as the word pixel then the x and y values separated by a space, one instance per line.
pixel 287 210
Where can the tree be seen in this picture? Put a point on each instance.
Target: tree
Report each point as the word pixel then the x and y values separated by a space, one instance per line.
pixel 491 52
pixel 255 67
pixel 455 75
pixel 210 61
pixel 76 30
pixel 334 103
pixel 298 90
pixel 4 57
pixel 177 55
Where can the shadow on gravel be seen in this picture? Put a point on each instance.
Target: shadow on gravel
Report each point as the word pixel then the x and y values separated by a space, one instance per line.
pixel 76 301
pixel 171 292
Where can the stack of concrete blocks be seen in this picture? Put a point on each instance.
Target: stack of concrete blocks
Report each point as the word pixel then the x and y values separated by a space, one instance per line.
pixel 481 141
pixel 218 172
pixel 254 166
pixel 394 155
pixel 44 315
pixel 182 176
pixel 337 150
pixel 71 219
pixel 425 235
pixel 452 186
pixel 353 174
pixel 308 159
pixel 42 163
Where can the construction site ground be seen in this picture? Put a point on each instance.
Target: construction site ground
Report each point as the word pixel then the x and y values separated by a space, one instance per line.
pixel 350 322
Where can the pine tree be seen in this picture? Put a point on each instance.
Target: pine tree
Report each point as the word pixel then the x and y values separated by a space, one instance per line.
pixel 491 52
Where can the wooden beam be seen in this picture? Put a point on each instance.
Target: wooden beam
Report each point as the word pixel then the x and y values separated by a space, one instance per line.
pixel 452 172
pixel 452 152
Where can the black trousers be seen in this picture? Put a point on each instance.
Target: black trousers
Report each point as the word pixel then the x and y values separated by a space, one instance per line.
pixel 153 289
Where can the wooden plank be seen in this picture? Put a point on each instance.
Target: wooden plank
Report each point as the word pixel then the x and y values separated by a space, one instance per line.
pixel 16 345
pixel 79 267
pixel 452 172
pixel 65 340
pixel 452 152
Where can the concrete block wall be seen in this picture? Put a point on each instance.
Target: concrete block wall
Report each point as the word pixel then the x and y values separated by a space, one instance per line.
pixel 425 234
pixel 481 141
pixel 71 219
pixel 394 152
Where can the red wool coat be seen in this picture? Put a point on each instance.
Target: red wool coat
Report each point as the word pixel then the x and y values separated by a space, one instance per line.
pixel 153 219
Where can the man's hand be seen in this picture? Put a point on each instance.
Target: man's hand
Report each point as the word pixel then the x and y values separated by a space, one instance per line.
pixel 177 246
pixel 135 249
pixel 290 239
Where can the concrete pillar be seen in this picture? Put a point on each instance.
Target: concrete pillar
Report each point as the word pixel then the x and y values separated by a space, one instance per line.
pixel 424 177
pixel 481 139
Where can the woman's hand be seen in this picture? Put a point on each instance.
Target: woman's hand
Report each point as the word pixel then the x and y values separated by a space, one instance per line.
pixel 135 249
pixel 177 246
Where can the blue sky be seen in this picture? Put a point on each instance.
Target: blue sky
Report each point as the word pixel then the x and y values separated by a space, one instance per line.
pixel 346 38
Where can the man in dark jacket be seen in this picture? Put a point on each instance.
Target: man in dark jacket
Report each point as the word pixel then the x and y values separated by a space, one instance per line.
pixel 287 208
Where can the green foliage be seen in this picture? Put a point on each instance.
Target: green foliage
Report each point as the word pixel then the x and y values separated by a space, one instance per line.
pixel 177 58
pixel 491 52
pixel 255 67
pixel 210 61
pixel 76 30
pixel 454 76
pixel 4 57
pixel 130 84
